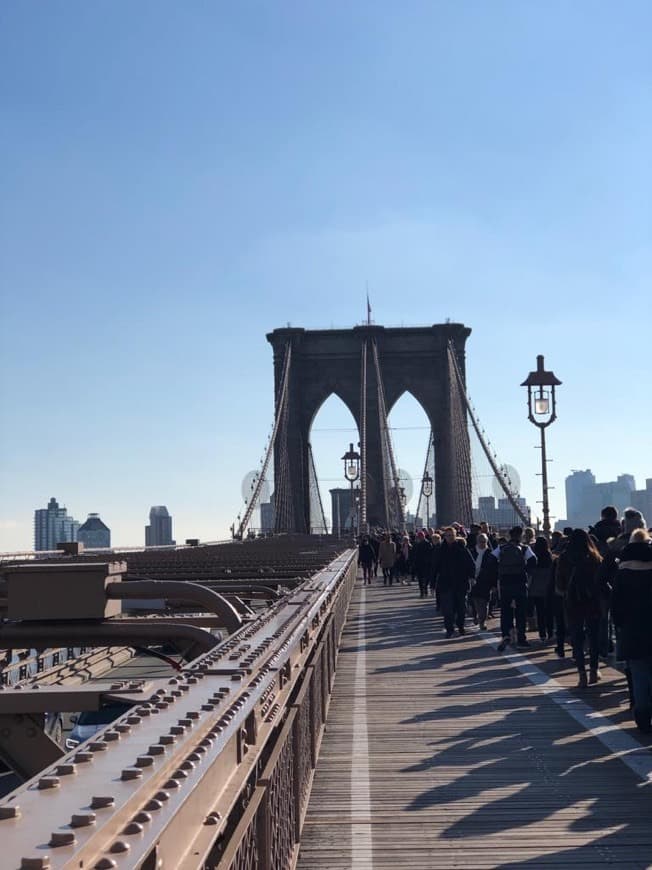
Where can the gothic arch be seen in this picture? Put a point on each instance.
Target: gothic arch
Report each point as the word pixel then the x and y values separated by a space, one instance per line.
pixel 412 359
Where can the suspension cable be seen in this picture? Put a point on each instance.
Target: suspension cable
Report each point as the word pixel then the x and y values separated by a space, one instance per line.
pixel 280 411
pixel 498 473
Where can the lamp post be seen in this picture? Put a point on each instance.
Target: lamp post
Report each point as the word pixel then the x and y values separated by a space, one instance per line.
pixel 542 411
pixel 352 473
pixel 426 491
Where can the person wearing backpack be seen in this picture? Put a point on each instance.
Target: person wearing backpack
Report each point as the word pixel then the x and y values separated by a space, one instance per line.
pixel 515 560
pixel 580 578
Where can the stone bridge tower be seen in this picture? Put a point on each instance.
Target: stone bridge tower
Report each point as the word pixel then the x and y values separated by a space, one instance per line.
pixel 413 359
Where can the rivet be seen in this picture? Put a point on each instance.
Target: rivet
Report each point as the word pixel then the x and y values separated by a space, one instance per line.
pixel 144 761
pixel 206 742
pixel 187 765
pixel 177 729
pixel 184 687
pixel 194 757
pixel 105 864
pixel 180 773
pixel 144 711
pixel 192 680
pixel 171 783
pixel 66 769
pixel 156 749
pixel 131 773
pixel 133 828
pixel 83 757
pixel 82 820
pixel 112 735
pixel 153 805
pixel 142 817
pixel 10 812
pixel 192 714
pixel 161 796
pixel 40 862
pixel 100 802
pixel 212 819
pixel 49 782
pixel 119 846
pixel 166 739
pixel 208 707
pixel 98 746
pixel 185 722
pixel 123 728
pixel 200 750
pixel 61 838
pixel 133 720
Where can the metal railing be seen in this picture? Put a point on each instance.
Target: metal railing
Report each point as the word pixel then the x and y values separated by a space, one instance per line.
pixel 210 769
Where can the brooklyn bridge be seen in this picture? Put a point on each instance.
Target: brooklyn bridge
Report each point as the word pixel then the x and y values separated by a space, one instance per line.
pixel 249 703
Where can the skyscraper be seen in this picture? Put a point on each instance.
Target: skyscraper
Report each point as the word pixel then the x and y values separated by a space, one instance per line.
pixel 53 526
pixel 94 534
pixel 159 531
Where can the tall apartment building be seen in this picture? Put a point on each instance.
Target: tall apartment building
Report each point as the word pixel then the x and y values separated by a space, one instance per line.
pixel 585 498
pixel 53 526
pixel 159 531
pixel 94 534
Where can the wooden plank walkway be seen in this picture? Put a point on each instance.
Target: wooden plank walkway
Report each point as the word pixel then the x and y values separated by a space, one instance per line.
pixel 447 754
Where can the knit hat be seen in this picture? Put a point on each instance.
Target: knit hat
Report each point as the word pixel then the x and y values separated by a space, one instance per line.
pixel 632 519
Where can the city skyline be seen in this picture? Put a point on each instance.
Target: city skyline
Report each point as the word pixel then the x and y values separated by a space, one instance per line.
pixel 177 181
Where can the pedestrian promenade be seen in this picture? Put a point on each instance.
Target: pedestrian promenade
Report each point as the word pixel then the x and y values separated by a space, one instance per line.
pixel 447 754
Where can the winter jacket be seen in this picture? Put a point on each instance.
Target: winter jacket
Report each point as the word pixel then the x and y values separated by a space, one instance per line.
pixel 366 554
pixel 454 567
pixel 487 579
pixel 422 553
pixel 631 603
pixel 387 554
pixel 580 580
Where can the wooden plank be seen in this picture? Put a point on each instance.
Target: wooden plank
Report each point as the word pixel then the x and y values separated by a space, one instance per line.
pixel 470 765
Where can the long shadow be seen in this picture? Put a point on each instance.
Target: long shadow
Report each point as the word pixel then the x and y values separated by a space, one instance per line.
pixel 521 759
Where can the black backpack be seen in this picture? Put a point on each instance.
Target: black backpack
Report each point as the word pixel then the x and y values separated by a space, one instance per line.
pixel 512 560
pixel 582 586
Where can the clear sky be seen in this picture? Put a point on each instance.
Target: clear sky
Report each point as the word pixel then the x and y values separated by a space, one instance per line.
pixel 178 178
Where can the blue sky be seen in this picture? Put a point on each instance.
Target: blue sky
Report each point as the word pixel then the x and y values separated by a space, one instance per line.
pixel 177 179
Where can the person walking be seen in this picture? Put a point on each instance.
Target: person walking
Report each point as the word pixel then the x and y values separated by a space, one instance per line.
pixel 366 557
pixel 387 558
pixel 422 563
pixel 514 562
pixel 540 589
pixel 485 578
pixel 632 615
pixel 579 576
pixel 454 567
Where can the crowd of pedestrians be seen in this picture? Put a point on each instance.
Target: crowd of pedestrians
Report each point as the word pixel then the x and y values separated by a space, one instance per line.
pixel 587 589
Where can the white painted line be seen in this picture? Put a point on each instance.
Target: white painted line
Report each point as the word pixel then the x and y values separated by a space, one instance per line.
pixel 361 844
pixel 632 753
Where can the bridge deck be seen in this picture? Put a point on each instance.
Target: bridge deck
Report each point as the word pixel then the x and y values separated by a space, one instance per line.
pixel 445 753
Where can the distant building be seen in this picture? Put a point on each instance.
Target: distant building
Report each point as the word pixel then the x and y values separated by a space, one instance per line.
pixel 585 498
pixel 93 534
pixel 642 501
pixel 267 516
pixel 343 513
pixel 53 526
pixel 501 515
pixel 159 531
